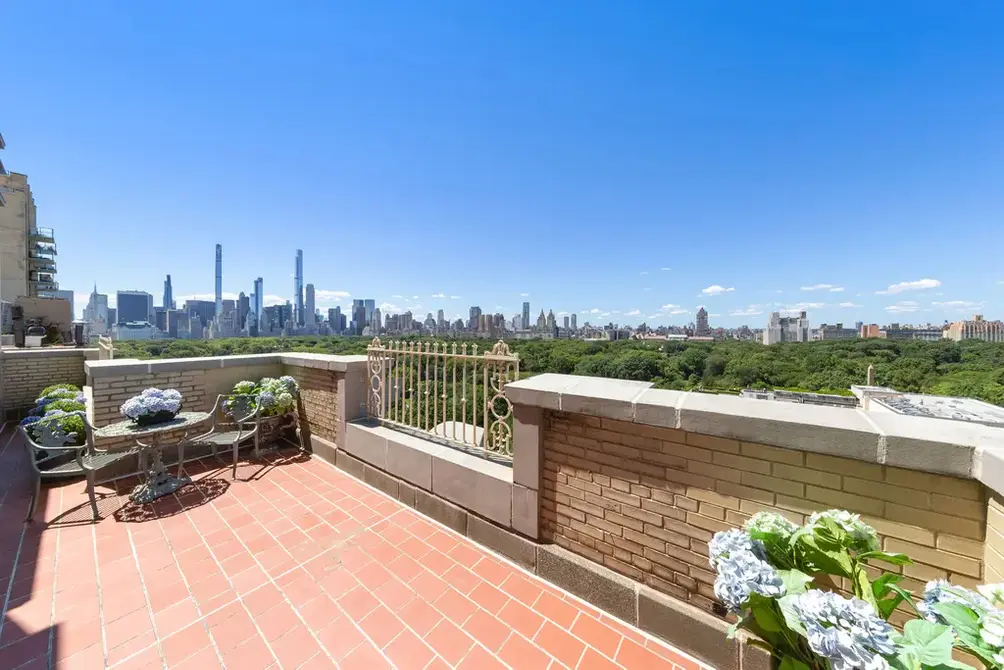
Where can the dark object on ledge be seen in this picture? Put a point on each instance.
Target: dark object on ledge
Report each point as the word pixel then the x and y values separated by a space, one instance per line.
pixel 159 417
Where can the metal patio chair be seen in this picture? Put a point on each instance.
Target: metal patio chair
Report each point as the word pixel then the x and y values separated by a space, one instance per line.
pixel 51 458
pixel 237 427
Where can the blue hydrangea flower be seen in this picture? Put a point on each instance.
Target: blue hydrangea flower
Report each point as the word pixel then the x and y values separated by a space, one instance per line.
pixel 267 399
pixel 28 420
pixel 941 591
pixel 731 541
pixel 151 401
pixel 742 573
pixel 846 631
pixel 291 386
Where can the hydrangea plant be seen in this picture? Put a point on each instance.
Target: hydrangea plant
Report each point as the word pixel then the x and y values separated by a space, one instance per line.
pixel 276 396
pixel 768 575
pixel 58 416
pixel 152 402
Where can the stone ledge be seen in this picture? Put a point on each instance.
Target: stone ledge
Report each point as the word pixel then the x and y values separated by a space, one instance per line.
pixel 48 352
pixel 919 443
pixel 324 361
pixel 132 366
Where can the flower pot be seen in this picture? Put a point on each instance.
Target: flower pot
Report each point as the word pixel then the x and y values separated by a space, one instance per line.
pixel 157 417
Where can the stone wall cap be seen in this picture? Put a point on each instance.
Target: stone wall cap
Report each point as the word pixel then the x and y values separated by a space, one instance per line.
pixel 43 352
pixel 324 361
pixel 955 448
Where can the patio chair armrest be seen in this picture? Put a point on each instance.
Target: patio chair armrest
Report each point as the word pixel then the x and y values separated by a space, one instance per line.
pixel 45 447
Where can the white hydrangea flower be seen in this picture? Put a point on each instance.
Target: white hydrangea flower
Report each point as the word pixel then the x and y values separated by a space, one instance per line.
pixel 846 631
pixel 730 541
pixel 770 522
pixel 864 536
pixel 992 592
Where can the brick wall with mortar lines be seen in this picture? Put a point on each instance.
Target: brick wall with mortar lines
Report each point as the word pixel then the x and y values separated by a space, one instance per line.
pixel 318 400
pixel 25 376
pixel 993 555
pixel 644 501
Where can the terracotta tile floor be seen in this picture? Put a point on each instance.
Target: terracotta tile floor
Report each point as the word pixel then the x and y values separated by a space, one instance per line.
pixel 295 565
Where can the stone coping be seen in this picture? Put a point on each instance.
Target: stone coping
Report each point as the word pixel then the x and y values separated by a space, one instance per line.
pixel 47 352
pixel 960 449
pixel 134 366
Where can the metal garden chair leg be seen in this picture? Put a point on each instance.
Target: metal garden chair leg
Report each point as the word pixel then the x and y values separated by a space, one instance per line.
pixel 36 491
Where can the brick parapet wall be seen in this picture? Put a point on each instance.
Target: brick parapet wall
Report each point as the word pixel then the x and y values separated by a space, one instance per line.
pixel 318 404
pixel 26 372
pixel 993 555
pixel 645 500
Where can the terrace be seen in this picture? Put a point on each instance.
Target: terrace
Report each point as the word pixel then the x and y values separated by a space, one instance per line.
pixel 576 540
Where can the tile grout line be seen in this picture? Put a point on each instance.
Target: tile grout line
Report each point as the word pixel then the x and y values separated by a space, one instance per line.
pixel 146 593
pixel 535 578
pixel 101 599
pixel 55 584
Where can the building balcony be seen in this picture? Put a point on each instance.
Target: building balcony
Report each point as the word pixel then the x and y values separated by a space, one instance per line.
pixel 41 235
pixel 412 552
pixel 45 251
pixel 41 264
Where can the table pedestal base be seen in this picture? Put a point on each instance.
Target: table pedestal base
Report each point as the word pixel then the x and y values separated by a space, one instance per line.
pixel 159 482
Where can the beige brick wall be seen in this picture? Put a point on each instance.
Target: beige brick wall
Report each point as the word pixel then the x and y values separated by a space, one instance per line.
pixel 318 399
pixel 993 555
pixel 25 374
pixel 644 501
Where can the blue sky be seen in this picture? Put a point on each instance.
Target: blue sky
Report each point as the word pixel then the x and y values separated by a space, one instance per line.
pixel 627 161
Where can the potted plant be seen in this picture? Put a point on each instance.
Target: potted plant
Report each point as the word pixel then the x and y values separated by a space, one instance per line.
pixel 57 418
pixel 277 399
pixel 777 578
pixel 152 406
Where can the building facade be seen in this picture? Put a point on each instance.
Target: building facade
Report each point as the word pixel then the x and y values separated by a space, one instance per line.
pixel 298 287
pixel 27 252
pixel 786 329
pixel 134 307
pixel 309 305
pixel 976 328
pixel 702 329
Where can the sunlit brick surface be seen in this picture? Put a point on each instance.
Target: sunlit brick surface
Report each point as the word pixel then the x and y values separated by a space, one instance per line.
pixel 296 564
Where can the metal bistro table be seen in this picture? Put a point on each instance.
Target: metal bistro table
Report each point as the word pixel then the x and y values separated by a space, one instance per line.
pixel 159 482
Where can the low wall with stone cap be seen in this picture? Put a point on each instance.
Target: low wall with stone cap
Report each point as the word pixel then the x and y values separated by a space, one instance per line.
pixel 25 372
pixel 638 479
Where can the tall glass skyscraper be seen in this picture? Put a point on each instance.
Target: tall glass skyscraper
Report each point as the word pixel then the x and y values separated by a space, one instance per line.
pixel 168 294
pixel 298 287
pixel 259 299
pixel 219 279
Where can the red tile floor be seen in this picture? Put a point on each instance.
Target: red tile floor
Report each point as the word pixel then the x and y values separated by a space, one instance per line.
pixel 294 565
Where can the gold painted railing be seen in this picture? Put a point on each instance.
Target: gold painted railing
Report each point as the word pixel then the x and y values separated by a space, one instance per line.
pixel 445 391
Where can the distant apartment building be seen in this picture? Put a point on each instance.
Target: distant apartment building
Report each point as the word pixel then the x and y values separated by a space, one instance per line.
pixel 204 310
pixel 868 330
pixel 68 297
pixel 27 252
pixel 786 329
pixel 976 328
pixel 837 332
pixel 134 307
pixel 895 332
pixel 525 324
pixel 702 329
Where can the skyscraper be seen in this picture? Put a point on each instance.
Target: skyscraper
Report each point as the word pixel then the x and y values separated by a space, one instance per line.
pixel 168 294
pixel 259 300
pixel 298 287
pixel 526 316
pixel 243 307
pixel 567 323
pixel 134 306
pixel 310 318
pixel 370 305
pixel 475 320
pixel 702 329
pixel 575 318
pixel 219 278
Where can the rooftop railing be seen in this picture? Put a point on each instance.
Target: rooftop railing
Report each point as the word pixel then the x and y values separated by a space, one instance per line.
pixel 444 391
pixel 44 234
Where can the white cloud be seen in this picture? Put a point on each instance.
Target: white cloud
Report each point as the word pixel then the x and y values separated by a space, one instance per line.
pixel 633 312
pixel 960 305
pixel 563 314
pixel 454 297
pixel 848 304
pixel 273 300
pixel 438 295
pixel 714 315
pixel 524 295
pixel 414 297
pixel 595 310
pixel 399 297
pixel 752 310
pixel 673 310
pixel 919 285
pixel 715 289
pixel 668 307
pixel 803 306
pixel 665 269
pixel 823 287
pixel 643 272
pixel 903 307
pixel 653 316
pixel 390 308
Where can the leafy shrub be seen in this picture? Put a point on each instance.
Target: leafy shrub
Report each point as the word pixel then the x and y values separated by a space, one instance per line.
pixel 65 405
pixel 767 572
pixel 59 391
pixel 275 396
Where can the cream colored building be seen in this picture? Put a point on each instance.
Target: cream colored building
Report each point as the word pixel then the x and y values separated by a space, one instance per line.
pixel 976 328
pixel 27 252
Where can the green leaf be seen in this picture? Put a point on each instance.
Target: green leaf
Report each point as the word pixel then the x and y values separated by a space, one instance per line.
pixel 932 642
pixel 790 663
pixel 880 587
pixel 903 596
pixel 893 558
pixel 785 604
pixel 766 617
pixel 863 587
pixel 959 617
pixel 795 581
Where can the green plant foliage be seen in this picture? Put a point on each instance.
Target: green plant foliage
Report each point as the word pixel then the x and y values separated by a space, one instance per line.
pixel 970 369
pixel 65 405
pixel 60 391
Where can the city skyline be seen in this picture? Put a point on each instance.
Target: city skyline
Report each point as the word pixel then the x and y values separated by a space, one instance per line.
pixel 670 151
